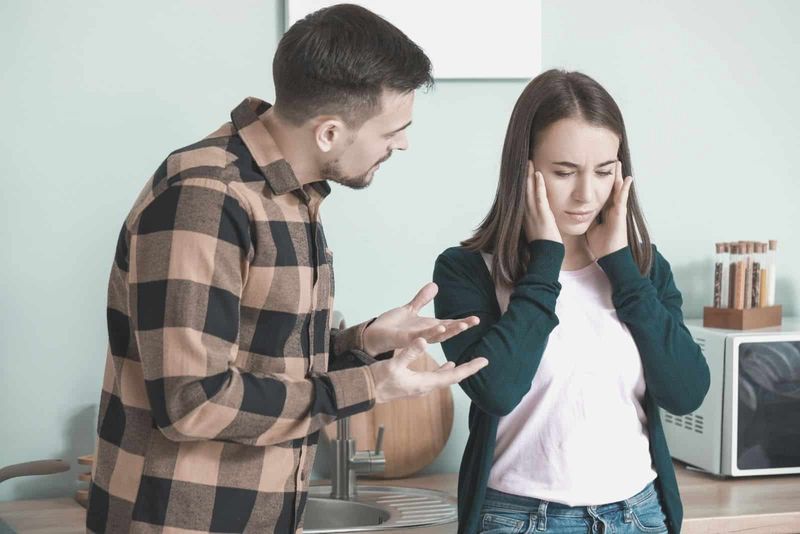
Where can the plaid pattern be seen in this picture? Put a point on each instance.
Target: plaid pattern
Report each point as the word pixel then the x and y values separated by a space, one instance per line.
pixel 217 375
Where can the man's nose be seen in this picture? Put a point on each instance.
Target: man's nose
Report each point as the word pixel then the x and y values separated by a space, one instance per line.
pixel 400 142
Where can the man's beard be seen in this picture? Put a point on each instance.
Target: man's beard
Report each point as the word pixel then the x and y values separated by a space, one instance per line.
pixel 333 172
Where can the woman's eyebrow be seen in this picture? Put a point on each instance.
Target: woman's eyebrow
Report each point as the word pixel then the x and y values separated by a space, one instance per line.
pixel 575 165
pixel 609 162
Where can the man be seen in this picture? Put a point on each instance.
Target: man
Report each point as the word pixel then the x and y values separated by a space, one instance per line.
pixel 222 367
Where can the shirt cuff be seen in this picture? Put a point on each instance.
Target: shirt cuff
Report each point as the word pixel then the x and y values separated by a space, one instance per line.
pixel 354 389
pixel 546 258
pixel 351 338
pixel 620 267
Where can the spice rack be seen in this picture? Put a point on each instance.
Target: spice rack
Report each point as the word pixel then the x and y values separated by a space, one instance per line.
pixel 744 287
pixel 745 319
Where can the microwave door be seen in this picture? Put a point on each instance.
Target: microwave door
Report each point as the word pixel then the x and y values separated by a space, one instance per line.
pixel 765 406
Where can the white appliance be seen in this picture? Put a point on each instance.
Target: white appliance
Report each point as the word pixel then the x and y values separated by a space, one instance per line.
pixel 749 422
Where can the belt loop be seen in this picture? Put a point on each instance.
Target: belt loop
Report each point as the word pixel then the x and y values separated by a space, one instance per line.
pixel 541 517
pixel 627 512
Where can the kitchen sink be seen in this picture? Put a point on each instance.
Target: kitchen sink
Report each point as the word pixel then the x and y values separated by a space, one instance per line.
pixel 377 508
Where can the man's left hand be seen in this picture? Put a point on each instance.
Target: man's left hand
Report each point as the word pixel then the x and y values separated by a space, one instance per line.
pixel 397 328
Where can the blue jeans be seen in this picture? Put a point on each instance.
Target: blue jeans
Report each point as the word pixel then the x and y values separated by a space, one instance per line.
pixel 503 513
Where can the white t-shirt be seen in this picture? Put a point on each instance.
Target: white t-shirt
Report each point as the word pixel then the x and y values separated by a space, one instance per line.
pixel 579 436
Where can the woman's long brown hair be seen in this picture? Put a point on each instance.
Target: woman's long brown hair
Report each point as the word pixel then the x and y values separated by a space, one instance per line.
pixel 550 97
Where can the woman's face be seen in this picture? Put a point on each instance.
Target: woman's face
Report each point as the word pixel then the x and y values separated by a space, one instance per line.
pixel 577 160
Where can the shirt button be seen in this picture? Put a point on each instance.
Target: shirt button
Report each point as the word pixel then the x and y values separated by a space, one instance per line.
pixel 302 475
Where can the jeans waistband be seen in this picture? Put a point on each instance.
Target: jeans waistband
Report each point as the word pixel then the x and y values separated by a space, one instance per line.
pixel 531 504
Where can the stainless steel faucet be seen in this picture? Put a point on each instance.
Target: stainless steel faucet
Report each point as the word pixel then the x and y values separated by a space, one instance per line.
pixel 348 461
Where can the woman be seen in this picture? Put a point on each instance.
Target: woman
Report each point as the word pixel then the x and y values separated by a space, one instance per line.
pixel 582 325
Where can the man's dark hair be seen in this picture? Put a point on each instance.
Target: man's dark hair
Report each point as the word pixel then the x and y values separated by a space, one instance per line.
pixel 338 60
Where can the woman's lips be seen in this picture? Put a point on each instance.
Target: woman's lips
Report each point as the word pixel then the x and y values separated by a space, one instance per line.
pixel 580 216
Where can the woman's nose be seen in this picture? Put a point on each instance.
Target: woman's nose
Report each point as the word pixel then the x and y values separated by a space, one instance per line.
pixel 583 188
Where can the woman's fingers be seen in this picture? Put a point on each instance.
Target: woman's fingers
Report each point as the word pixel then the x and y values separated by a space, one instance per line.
pixel 530 186
pixel 539 220
pixel 626 191
pixel 617 182
pixel 542 204
pixel 622 187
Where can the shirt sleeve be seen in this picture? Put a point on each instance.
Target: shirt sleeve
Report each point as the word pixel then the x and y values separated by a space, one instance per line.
pixel 347 348
pixel 189 258
pixel 676 372
pixel 514 342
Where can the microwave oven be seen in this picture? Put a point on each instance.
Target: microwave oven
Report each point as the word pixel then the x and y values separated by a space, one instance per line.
pixel 749 421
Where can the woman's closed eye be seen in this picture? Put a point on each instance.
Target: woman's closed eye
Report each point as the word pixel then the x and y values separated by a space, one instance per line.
pixel 564 174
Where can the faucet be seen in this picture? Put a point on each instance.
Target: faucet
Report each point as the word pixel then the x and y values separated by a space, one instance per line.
pixel 348 461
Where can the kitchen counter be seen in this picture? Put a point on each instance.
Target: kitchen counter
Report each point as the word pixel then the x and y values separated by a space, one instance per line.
pixel 768 505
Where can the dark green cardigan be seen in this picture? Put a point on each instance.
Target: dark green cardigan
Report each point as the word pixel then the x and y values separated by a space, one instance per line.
pixel 676 373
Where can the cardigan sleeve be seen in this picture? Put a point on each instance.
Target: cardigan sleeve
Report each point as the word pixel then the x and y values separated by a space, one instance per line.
pixel 513 343
pixel 676 372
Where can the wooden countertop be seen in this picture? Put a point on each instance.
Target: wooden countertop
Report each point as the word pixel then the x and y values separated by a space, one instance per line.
pixel 768 505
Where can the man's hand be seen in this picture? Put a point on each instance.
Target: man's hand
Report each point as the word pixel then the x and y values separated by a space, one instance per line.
pixel 397 328
pixel 394 380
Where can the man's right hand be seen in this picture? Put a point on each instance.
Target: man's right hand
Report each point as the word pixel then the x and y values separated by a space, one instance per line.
pixel 539 220
pixel 394 380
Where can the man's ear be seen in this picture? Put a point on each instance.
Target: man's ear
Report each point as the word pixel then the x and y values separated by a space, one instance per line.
pixel 330 133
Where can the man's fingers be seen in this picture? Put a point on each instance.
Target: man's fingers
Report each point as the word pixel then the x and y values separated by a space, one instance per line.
pixel 445 366
pixel 410 353
pixel 472 320
pixel 433 331
pixel 423 296
pixel 456 328
pixel 460 324
pixel 447 328
pixel 448 377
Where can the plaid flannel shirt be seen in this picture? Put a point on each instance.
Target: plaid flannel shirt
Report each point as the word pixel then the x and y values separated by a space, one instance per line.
pixel 217 376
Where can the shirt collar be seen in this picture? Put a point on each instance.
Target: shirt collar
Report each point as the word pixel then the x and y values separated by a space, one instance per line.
pixel 247 120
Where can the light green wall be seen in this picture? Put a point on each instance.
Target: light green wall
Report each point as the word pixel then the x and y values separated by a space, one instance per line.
pixel 94 94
